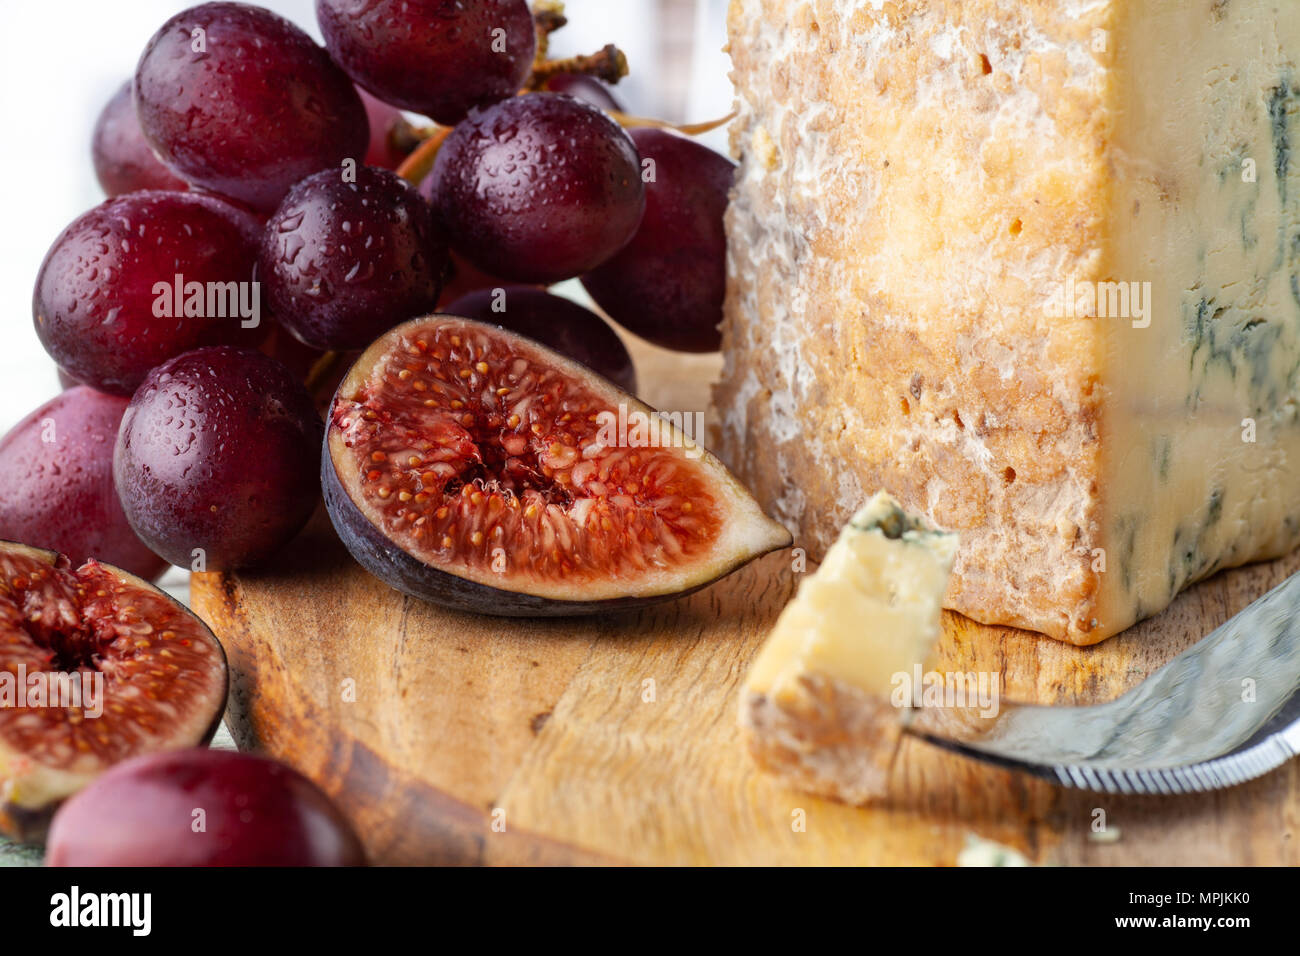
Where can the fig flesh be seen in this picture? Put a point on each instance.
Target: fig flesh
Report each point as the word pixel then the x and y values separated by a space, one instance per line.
pixel 555 322
pixel 96 666
pixel 472 467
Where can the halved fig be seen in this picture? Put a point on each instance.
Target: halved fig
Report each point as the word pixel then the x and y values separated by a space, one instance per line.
pixel 96 665
pixel 472 467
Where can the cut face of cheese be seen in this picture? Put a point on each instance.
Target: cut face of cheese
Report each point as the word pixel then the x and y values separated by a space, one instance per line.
pixel 1035 266
pixel 870 611
pixel 816 702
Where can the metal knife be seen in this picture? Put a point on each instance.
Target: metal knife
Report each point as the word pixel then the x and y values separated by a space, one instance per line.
pixel 1225 711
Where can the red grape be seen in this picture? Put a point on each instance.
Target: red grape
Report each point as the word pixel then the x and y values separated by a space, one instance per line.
pixel 56 468
pixel 124 162
pixel 343 262
pixel 462 276
pixel 105 304
pixel 255 812
pixel 668 283
pixel 557 323
pixel 538 188
pixel 259 107
pixel 586 88
pixel 219 451
pixel 436 57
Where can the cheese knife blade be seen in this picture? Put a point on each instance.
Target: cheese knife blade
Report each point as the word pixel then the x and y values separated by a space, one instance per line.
pixel 1225 711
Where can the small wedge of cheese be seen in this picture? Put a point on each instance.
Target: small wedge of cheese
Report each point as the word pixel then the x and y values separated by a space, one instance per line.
pixel 816 704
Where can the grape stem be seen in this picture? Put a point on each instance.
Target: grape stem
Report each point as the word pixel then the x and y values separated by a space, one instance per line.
pixel 418 165
pixel 548 16
pixel 608 64
pixel 689 129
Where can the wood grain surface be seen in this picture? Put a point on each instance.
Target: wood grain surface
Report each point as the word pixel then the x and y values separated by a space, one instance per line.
pixel 451 738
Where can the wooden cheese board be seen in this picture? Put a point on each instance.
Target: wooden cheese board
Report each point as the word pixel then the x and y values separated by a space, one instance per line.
pixel 451 738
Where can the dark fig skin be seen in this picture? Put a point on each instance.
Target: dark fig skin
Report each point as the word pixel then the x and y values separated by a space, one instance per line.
pixel 386 560
pixel 56 469
pixel 217 451
pixel 556 322
pixel 124 162
pixel 257 812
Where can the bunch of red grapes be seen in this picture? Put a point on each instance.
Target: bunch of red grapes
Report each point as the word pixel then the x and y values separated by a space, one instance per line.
pixel 256 223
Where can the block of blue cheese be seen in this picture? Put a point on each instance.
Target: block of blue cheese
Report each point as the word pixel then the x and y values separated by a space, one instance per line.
pixel 1034 266
pixel 816 706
